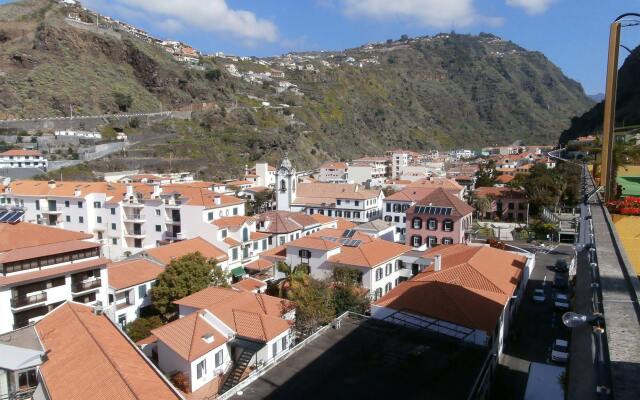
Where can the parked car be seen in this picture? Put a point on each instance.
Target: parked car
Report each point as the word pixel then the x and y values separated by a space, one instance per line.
pixel 561 302
pixel 561 282
pixel 539 296
pixel 561 266
pixel 560 351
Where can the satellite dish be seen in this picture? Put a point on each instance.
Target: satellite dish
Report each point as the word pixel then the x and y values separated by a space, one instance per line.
pixel 573 320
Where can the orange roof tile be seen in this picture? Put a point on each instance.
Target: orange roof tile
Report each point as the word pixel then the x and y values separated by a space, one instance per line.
pixel 26 235
pixel 194 195
pixel 20 152
pixel 312 242
pixel 168 252
pixel 114 192
pixel 250 284
pixel 334 165
pixel 185 336
pixel 504 178
pixel 39 275
pixel 254 316
pixel 89 358
pixel 345 223
pixel 259 265
pixel 442 198
pixel 233 221
pixel 471 289
pixel 231 242
pixel 258 235
pixel 499 192
pixel 318 193
pixel 370 254
pixel 127 273
pixel 435 183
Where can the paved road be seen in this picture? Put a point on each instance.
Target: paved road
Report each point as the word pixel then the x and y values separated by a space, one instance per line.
pixel 536 326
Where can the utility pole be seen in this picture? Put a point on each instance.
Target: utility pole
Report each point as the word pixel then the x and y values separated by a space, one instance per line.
pixel 606 169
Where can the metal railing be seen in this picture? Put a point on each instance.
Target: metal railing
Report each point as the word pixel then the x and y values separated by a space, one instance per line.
pixel 22 301
pixel 87 285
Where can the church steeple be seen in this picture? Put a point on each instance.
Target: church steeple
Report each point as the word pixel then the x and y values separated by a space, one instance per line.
pixel 286 181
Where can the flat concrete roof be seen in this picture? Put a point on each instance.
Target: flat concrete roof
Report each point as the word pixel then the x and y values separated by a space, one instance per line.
pixel 372 359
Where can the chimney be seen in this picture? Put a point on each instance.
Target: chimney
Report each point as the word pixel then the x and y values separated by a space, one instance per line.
pixel 208 338
pixel 6 181
pixel 76 192
pixel 437 262
pixel 97 308
pixel 156 190
pixel 129 190
pixel 216 200
pixel 52 184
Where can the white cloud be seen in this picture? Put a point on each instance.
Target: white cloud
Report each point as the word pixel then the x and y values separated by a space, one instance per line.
pixel 442 14
pixel 531 6
pixel 208 15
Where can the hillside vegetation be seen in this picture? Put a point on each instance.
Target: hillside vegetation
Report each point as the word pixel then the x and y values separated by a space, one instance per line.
pixel 445 91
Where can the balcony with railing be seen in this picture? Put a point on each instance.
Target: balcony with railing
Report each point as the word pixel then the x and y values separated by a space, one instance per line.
pixel 28 300
pixel 136 234
pixel 52 209
pixel 84 286
pixel 134 217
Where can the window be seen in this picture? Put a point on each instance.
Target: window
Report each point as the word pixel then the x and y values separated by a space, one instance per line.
pixel 447 225
pixel 399 265
pixel 377 294
pixel 99 219
pixel 379 273
pixel 142 291
pixel 396 219
pixel 99 235
pixel 79 204
pixel 158 228
pixel 223 233
pixel 511 206
pixel 284 343
pixel 447 240
pixel 97 204
pixel 157 213
pixel 81 220
pixel 264 244
pixel 275 348
pixel 113 211
pixel 219 358
pixel 432 225
pixel 67 218
pixel 114 241
pixel 255 245
pixel 433 241
pixel 234 253
pixel 67 203
pixel 137 243
pixel 388 207
pixel 357 202
pixel 416 223
pixel 27 379
pixel 235 211
pixel 303 253
pixel 338 202
pixel 416 241
pixel 210 216
pixel 37 204
pixel 113 226
pixel 281 240
pixel 201 369
pixel 245 234
pixel 356 214
pixel 270 240
pixel 388 269
pixel 387 287
pixel 122 320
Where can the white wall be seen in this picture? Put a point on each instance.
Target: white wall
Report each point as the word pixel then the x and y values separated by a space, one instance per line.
pixel 211 370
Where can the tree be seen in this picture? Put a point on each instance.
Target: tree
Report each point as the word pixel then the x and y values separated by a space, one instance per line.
pixel 123 101
pixel 184 276
pixel 487 174
pixel 261 202
pixel 482 205
pixel 347 292
pixel 292 275
pixel 314 306
pixel 141 327
pixel 213 74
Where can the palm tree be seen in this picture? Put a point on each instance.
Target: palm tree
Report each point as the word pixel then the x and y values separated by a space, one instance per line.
pixel 293 275
pixel 482 204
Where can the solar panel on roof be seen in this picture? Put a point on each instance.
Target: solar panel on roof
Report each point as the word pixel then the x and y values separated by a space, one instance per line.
pixel 353 243
pixel 348 233
pixel 10 217
pixel 329 238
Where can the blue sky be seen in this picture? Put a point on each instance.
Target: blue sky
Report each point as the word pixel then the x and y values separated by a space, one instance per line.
pixel 572 33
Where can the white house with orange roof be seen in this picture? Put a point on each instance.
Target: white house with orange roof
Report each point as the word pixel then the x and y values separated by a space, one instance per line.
pixel 382 264
pixel 286 226
pixel 470 293
pixel 262 175
pixel 130 283
pixel 333 172
pixel 41 267
pixel 221 332
pixel 23 159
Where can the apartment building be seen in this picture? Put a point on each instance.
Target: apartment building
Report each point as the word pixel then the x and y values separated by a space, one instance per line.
pixel 220 331
pixel 41 267
pixel 286 226
pixel 77 352
pixel 125 218
pixel 399 160
pixel 438 218
pixel 333 172
pixel 381 264
pixel 262 175
pixel 23 159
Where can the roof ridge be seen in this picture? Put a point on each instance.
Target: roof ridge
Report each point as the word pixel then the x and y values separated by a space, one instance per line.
pixel 193 334
pixel 104 353
pixel 484 276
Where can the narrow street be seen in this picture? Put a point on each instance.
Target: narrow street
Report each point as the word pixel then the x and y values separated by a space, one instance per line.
pixel 536 327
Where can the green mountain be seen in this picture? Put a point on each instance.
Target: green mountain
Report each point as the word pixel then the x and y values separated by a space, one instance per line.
pixel 444 91
pixel 627 103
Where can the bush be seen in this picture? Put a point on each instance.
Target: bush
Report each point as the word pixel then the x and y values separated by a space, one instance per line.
pixel 141 327
pixel 180 381
pixel 213 74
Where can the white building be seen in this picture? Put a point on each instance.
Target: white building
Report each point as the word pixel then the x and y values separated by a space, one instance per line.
pixel 41 267
pixel 399 160
pixel 223 330
pixel 349 201
pixel 23 159
pixel 333 172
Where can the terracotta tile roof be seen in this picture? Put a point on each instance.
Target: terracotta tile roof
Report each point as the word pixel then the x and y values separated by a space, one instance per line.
pixel 250 284
pixel 194 195
pixel 504 178
pixel 251 315
pixel 148 340
pixel 321 219
pixel 114 192
pixel 239 182
pixel 168 252
pixel 231 242
pixel 345 224
pixel 499 192
pixel 259 265
pixel 410 194
pixel 39 275
pixel 285 221
pixel 19 152
pixel 185 336
pixel 334 165
pixel 370 254
pixel 318 193
pixel 277 253
pixel 436 183
pixel 27 253
pixel 89 358
pixel 258 235
pixel 24 234
pixel 471 289
pixel 313 242
pixel 442 198
pixel 127 273
pixel 233 221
